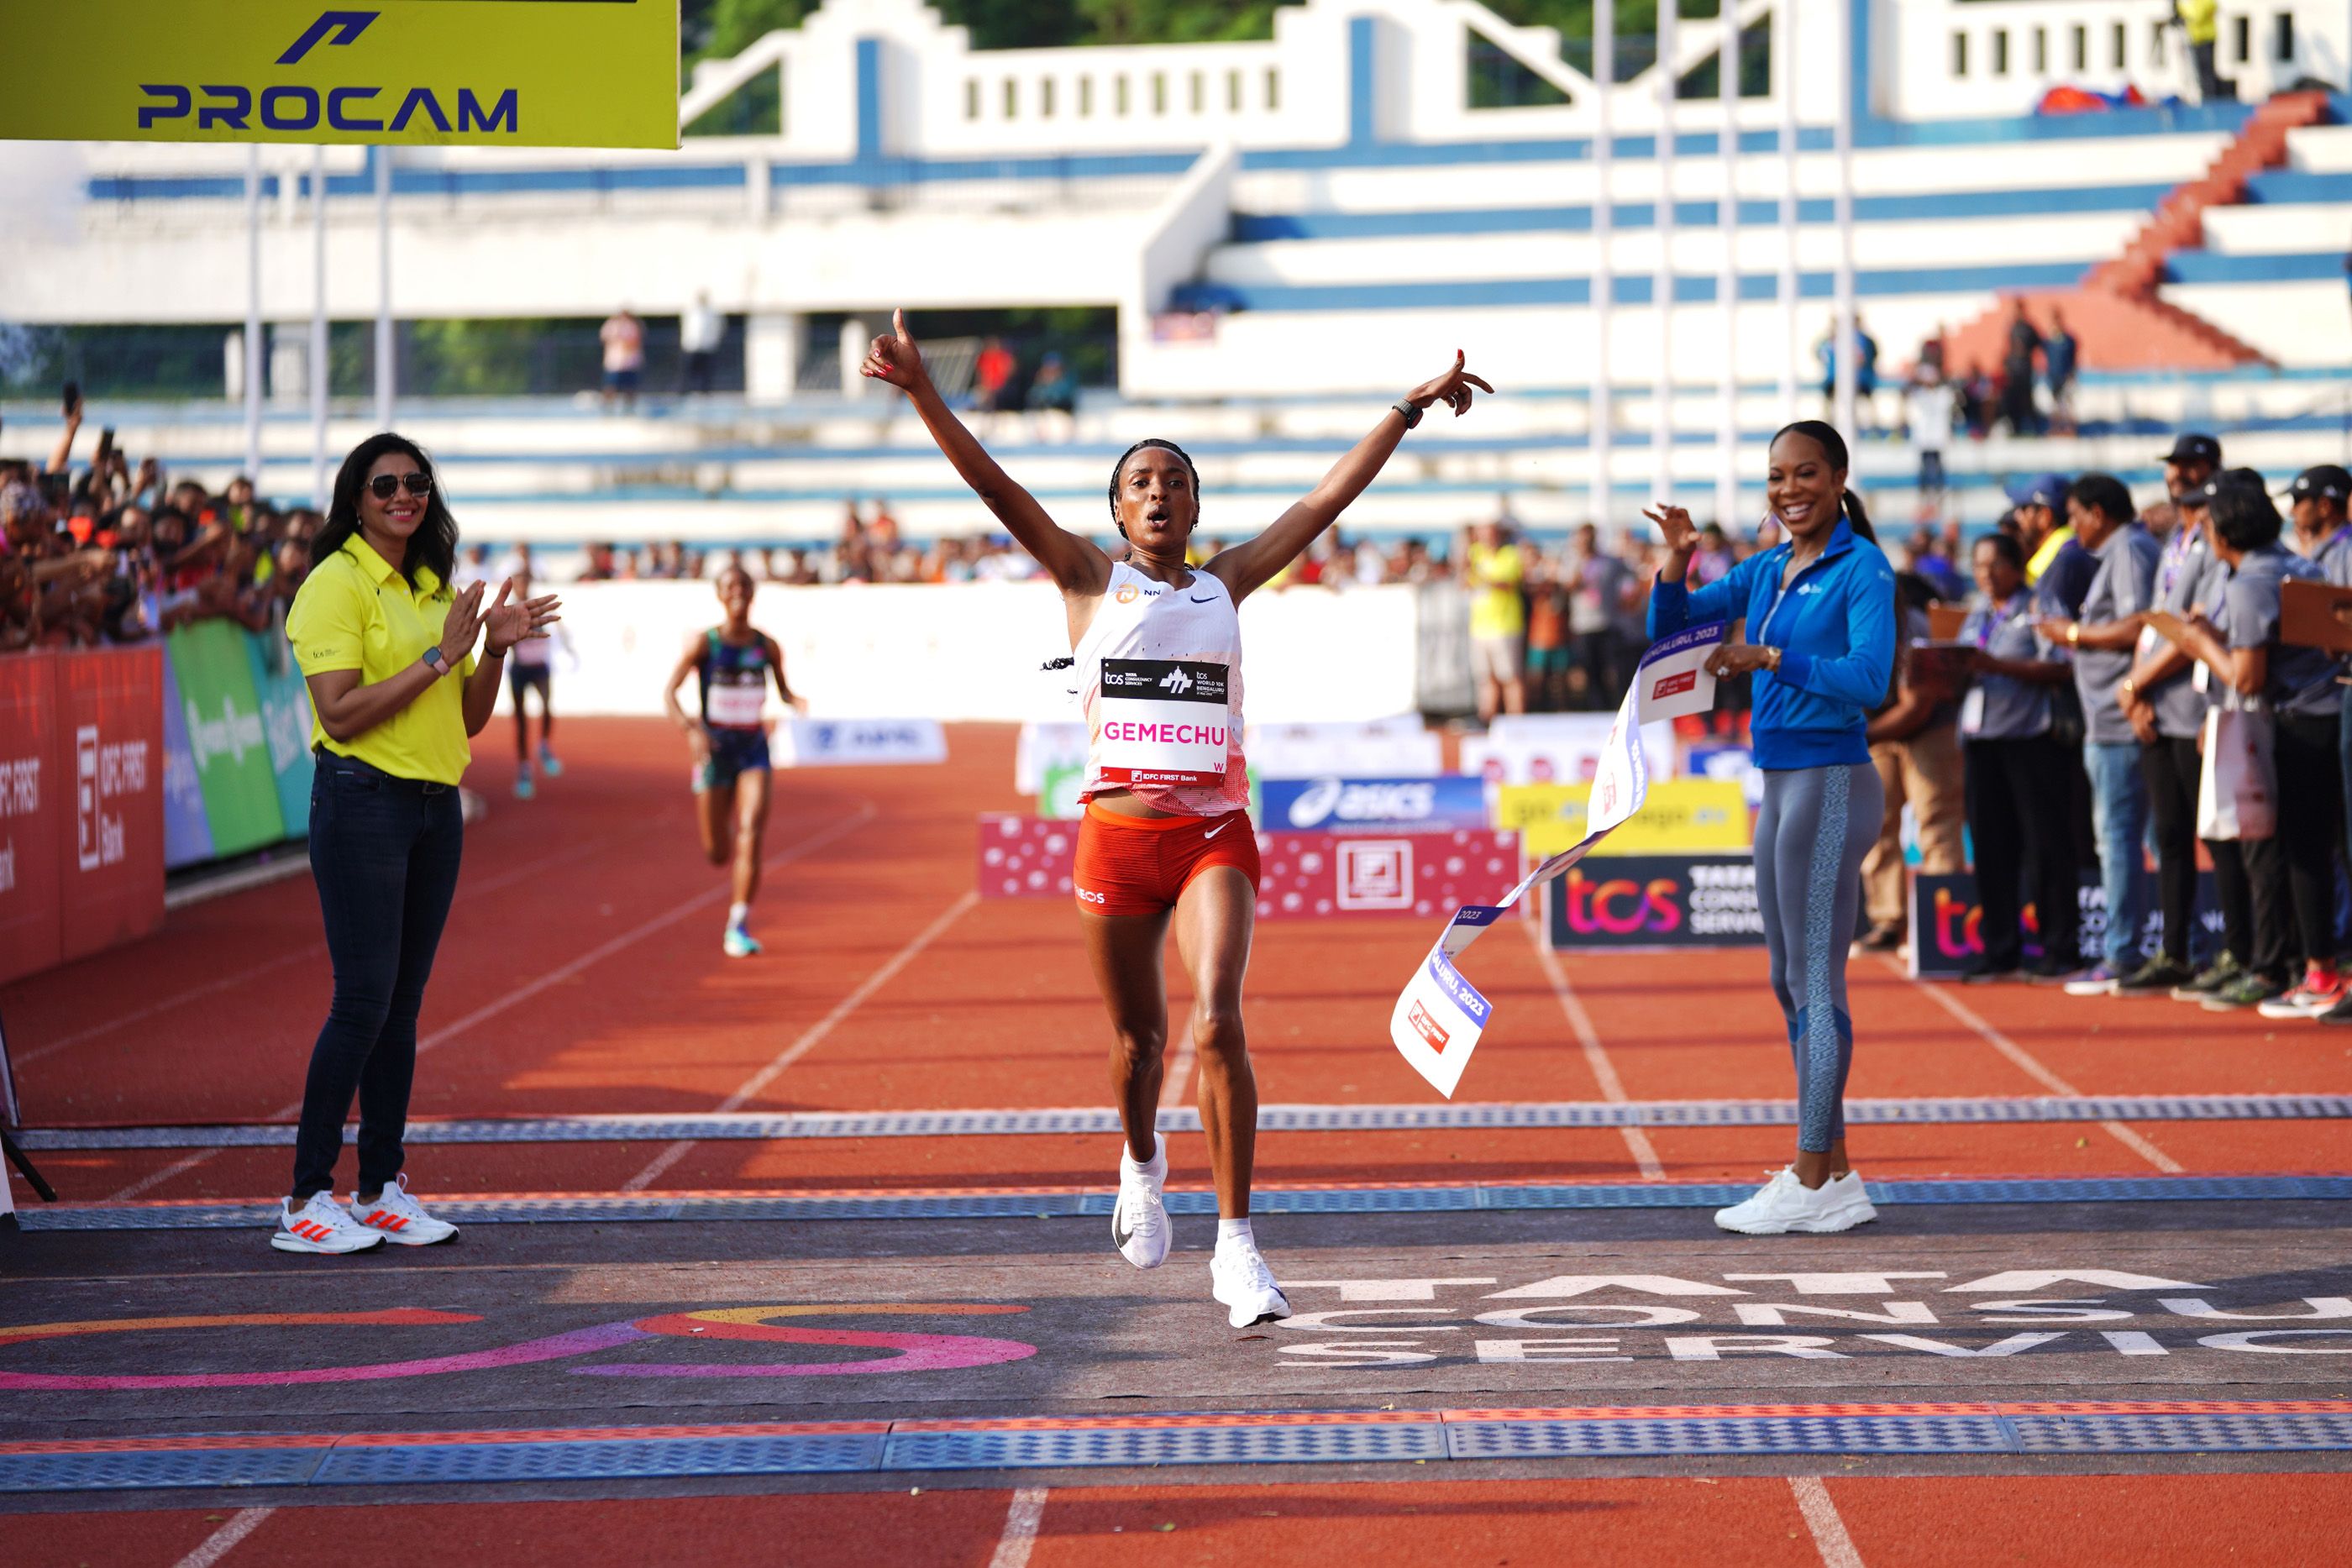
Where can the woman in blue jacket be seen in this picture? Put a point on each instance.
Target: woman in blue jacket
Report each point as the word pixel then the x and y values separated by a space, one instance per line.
pixel 1820 610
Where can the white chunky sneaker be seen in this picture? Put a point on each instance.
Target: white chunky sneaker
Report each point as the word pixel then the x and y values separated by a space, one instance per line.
pixel 1138 1221
pixel 1239 1277
pixel 1852 1206
pixel 1785 1204
pixel 400 1218
pixel 322 1225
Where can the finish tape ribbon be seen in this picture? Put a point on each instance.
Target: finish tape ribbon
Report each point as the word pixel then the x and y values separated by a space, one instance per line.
pixel 1440 1015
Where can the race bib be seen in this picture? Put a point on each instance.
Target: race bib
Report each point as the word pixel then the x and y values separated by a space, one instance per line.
pixel 737 707
pixel 1162 721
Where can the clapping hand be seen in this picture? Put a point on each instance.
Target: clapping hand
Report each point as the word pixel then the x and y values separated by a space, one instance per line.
pixel 461 627
pixel 525 622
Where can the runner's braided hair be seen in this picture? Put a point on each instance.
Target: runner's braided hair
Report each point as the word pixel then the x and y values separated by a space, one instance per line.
pixel 1120 467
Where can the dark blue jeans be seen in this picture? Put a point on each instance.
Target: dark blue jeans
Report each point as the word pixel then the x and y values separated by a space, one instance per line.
pixel 385 853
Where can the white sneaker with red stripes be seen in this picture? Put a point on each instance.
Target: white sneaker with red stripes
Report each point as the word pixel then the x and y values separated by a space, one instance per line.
pixel 400 1218
pixel 322 1225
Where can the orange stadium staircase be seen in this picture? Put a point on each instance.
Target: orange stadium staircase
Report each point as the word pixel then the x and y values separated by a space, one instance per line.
pixel 2115 312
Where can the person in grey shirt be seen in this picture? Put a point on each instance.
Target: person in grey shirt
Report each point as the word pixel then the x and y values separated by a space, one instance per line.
pixel 2099 643
pixel 2292 872
pixel 2317 501
pixel 2016 779
pixel 2167 711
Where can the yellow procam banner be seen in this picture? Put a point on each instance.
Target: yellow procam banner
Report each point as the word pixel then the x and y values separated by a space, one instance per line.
pixel 1679 816
pixel 452 73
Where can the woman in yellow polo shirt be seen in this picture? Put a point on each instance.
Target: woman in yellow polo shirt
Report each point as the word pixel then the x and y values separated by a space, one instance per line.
pixel 386 647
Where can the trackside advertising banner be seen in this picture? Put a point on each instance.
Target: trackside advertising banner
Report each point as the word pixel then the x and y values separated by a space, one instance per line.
pixel 81 803
pixel 457 73
pixel 236 743
pixel 1437 805
pixel 1947 938
pixel 221 715
pixel 1657 901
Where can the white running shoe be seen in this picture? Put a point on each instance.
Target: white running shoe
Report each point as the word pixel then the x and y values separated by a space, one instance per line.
pixel 1239 1277
pixel 740 944
pixel 400 1218
pixel 322 1225
pixel 1139 1220
pixel 1785 1204
pixel 1852 1198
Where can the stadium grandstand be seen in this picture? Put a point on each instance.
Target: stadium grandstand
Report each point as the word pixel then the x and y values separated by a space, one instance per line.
pixel 1229 243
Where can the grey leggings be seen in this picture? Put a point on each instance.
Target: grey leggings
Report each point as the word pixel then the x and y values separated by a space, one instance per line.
pixel 1816 825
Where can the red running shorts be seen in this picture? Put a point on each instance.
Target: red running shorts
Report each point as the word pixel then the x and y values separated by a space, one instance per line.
pixel 1141 866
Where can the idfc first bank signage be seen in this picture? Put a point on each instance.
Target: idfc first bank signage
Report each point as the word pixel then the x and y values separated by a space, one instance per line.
pixel 495 73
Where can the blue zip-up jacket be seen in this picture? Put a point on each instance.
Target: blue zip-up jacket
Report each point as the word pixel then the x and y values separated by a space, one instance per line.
pixel 1835 629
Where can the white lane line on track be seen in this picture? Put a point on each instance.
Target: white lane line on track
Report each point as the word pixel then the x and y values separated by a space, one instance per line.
pixel 217 1545
pixel 1822 1518
pixel 179 1166
pixel 1021 1523
pixel 178 999
pixel 308 950
pixel 639 932
pixel 1605 1071
pixel 814 841
pixel 812 1036
pixel 1174 1089
pixel 2028 1064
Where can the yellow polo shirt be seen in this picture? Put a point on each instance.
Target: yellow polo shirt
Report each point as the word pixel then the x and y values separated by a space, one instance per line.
pixel 356 613
pixel 1495 578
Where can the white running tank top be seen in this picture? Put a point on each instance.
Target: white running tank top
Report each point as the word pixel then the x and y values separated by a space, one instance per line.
pixel 1160 731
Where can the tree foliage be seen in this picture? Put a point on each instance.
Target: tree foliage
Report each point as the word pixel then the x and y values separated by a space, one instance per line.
pixel 715 29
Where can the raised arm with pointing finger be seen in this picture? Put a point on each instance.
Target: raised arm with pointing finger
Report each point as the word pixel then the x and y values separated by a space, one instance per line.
pixel 1079 567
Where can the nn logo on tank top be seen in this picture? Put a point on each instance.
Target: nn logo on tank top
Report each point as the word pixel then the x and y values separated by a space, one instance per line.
pixel 1164 680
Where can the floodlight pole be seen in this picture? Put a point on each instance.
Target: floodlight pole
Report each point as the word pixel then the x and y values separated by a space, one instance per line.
pixel 1602 417
pixel 1784 74
pixel 1662 278
pixel 319 326
pixel 255 355
pixel 1727 276
pixel 1842 134
pixel 385 367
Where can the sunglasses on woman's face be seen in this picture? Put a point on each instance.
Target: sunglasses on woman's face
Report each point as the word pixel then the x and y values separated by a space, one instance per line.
pixel 383 484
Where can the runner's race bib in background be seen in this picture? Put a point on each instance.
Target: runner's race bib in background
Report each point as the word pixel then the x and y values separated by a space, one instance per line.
pixel 1162 721
pixel 739 704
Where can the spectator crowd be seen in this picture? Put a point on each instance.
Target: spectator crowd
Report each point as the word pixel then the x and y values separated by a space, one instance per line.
pixel 2094 690
pixel 104 552
pixel 2121 688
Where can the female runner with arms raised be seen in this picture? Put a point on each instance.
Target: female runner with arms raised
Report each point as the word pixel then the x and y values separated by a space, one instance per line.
pixel 1820 612
pixel 1158 650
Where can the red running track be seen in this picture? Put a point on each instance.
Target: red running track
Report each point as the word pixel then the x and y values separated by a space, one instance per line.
pixel 581 974
pixel 1889 1522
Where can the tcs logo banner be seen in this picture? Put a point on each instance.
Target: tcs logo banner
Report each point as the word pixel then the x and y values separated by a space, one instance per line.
pixel 1656 901
pixel 546 73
